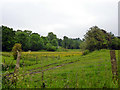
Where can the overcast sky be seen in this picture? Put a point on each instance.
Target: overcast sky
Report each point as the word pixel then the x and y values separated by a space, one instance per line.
pixel 70 18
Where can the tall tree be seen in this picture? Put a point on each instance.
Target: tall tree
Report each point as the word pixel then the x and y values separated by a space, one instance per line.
pixel 51 36
pixel 54 42
pixel 59 42
pixel 36 42
pixel 23 38
pixel 65 42
pixel 45 41
pixel 97 38
pixel 8 39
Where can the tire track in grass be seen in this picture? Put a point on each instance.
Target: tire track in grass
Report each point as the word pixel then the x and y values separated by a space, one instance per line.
pixel 37 68
pixel 51 68
pixel 48 65
pixel 44 69
pixel 43 66
pixel 34 72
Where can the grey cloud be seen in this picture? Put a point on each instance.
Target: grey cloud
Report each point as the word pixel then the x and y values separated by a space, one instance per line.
pixel 63 17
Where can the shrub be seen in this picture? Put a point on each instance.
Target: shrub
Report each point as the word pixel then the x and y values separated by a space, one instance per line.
pixel 86 52
pixel 16 47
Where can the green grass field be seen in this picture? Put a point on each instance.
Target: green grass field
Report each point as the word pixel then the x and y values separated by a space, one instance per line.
pixel 59 70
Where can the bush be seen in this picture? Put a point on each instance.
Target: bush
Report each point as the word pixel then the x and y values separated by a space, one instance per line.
pixel 86 52
pixel 16 47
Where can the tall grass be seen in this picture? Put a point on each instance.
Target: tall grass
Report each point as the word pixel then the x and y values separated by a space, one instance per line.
pixel 65 70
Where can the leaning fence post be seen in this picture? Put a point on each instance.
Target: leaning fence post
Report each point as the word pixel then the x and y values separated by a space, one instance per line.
pixel 18 61
pixel 114 64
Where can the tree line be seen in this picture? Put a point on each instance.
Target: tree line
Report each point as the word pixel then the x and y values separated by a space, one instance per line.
pixel 94 39
pixel 34 42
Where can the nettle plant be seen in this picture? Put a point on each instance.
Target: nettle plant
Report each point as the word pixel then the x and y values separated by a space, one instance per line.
pixel 17 47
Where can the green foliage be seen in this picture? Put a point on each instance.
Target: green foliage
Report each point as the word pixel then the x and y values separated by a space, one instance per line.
pixel 51 36
pixel 50 47
pixel 16 47
pixel 45 40
pixel 86 52
pixel 60 42
pixel 97 38
pixel 69 43
pixel 115 43
pixel 65 42
pixel 23 38
pixel 83 46
pixel 33 41
pixel 36 42
pixel 54 42
pixel 8 39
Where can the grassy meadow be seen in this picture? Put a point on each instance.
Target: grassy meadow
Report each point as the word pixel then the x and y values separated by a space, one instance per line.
pixel 68 69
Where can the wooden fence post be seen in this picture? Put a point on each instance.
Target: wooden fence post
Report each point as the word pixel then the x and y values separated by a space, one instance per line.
pixel 18 61
pixel 114 64
pixel 118 68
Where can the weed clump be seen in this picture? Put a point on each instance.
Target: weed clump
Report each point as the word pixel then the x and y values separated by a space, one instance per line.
pixel 15 49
